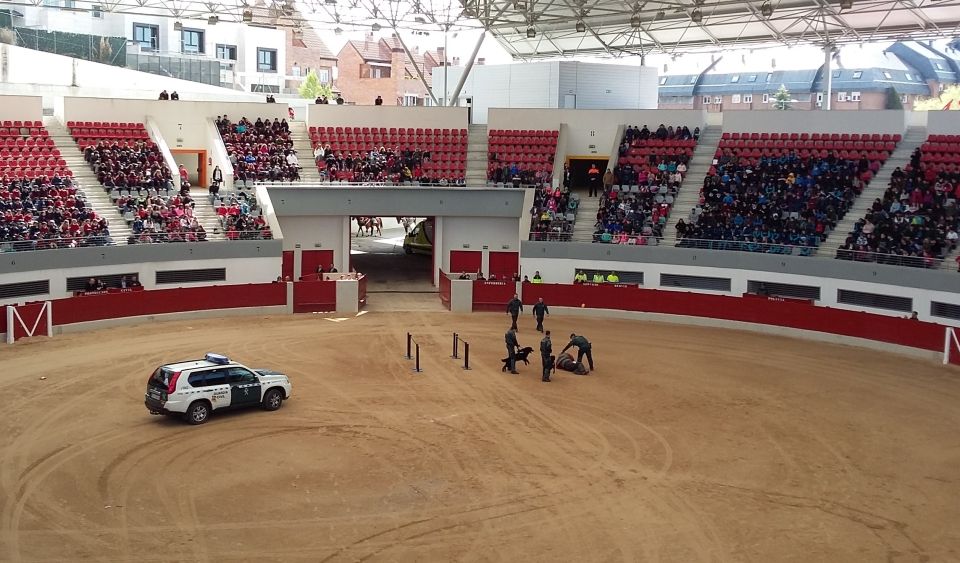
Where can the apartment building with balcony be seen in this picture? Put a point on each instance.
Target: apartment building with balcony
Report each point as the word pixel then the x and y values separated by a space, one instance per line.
pixel 255 56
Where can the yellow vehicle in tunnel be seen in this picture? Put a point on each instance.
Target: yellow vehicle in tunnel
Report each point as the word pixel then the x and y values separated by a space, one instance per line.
pixel 420 238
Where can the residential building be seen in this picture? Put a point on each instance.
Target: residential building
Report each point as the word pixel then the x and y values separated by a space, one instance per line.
pixel 374 67
pixel 861 78
pixel 253 56
pixel 306 51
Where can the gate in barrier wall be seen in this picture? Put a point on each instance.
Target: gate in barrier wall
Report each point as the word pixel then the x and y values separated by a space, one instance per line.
pixel 445 290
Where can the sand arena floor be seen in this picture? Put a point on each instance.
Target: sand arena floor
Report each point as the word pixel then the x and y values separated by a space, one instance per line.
pixel 687 444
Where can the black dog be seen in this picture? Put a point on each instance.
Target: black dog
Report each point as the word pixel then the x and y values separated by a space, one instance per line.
pixel 521 356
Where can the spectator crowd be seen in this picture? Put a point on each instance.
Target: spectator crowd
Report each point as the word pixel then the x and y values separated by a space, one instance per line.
pixel 553 214
pixel 154 218
pixel 43 213
pixel 639 191
pixel 260 150
pixel 128 165
pixel 379 165
pixel 773 203
pixel 915 222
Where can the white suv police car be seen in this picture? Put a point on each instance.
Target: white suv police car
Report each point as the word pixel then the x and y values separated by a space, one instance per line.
pixel 196 388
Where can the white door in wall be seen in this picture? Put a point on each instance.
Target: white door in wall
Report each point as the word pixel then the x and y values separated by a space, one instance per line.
pixel 570 101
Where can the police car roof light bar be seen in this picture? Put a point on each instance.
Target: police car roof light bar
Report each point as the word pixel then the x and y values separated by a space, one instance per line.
pixel 219 359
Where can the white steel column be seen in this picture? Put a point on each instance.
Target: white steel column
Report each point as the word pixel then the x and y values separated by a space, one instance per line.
pixel 455 97
pixel 828 75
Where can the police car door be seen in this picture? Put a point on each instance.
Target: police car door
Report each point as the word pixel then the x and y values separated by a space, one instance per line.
pixel 244 387
pixel 216 388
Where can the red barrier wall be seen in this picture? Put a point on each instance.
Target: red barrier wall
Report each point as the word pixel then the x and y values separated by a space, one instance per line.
pixel 768 311
pixel 310 296
pixel 466 261
pixel 286 266
pixel 3 319
pixel 492 295
pixel 504 264
pixel 155 302
pixel 445 290
pixel 362 290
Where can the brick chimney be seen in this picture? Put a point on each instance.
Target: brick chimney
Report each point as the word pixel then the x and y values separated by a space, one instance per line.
pixel 456 61
pixel 441 56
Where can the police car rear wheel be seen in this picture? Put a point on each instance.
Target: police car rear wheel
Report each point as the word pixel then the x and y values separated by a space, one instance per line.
pixel 198 413
pixel 272 400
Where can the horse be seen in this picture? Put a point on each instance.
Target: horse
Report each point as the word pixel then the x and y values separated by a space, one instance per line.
pixel 370 224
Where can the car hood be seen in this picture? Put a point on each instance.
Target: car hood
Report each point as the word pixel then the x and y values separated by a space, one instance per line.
pixel 267 372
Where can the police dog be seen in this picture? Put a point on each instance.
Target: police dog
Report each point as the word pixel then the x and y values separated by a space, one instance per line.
pixel 521 356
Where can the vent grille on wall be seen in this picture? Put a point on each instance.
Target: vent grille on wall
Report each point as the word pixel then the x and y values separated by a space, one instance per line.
pixel 945 310
pixel 783 290
pixel 695 282
pixel 625 277
pixel 192 276
pixel 23 289
pixel 111 280
pixel 875 300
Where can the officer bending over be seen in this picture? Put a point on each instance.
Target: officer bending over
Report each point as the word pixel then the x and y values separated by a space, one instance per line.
pixel 583 348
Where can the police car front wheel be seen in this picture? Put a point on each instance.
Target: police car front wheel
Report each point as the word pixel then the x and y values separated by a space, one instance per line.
pixel 272 399
pixel 198 413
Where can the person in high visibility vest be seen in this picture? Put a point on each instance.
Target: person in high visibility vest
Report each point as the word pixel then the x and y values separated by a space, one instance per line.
pixel 536 278
pixel 598 278
pixel 580 277
pixel 593 180
pixel 612 277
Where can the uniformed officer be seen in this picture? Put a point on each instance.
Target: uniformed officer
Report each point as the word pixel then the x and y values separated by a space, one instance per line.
pixel 583 348
pixel 546 356
pixel 513 309
pixel 539 310
pixel 511 340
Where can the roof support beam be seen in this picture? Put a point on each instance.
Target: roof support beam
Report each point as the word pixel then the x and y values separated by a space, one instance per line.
pixel 835 16
pixel 776 32
pixel 918 13
pixel 455 97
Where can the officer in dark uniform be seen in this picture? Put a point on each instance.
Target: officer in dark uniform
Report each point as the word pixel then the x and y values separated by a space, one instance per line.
pixel 539 310
pixel 546 356
pixel 583 348
pixel 511 340
pixel 513 309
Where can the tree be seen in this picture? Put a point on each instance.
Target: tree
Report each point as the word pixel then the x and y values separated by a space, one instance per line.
pixel 312 88
pixel 893 99
pixel 781 98
pixel 949 99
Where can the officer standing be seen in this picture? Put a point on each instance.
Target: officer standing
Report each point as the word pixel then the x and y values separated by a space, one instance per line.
pixel 583 348
pixel 513 309
pixel 511 340
pixel 539 310
pixel 546 356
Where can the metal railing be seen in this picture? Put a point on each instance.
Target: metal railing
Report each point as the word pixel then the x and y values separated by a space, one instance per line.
pixel 107 240
pixel 889 259
pixel 748 246
pixel 338 184
pixel 650 240
pixel 54 243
